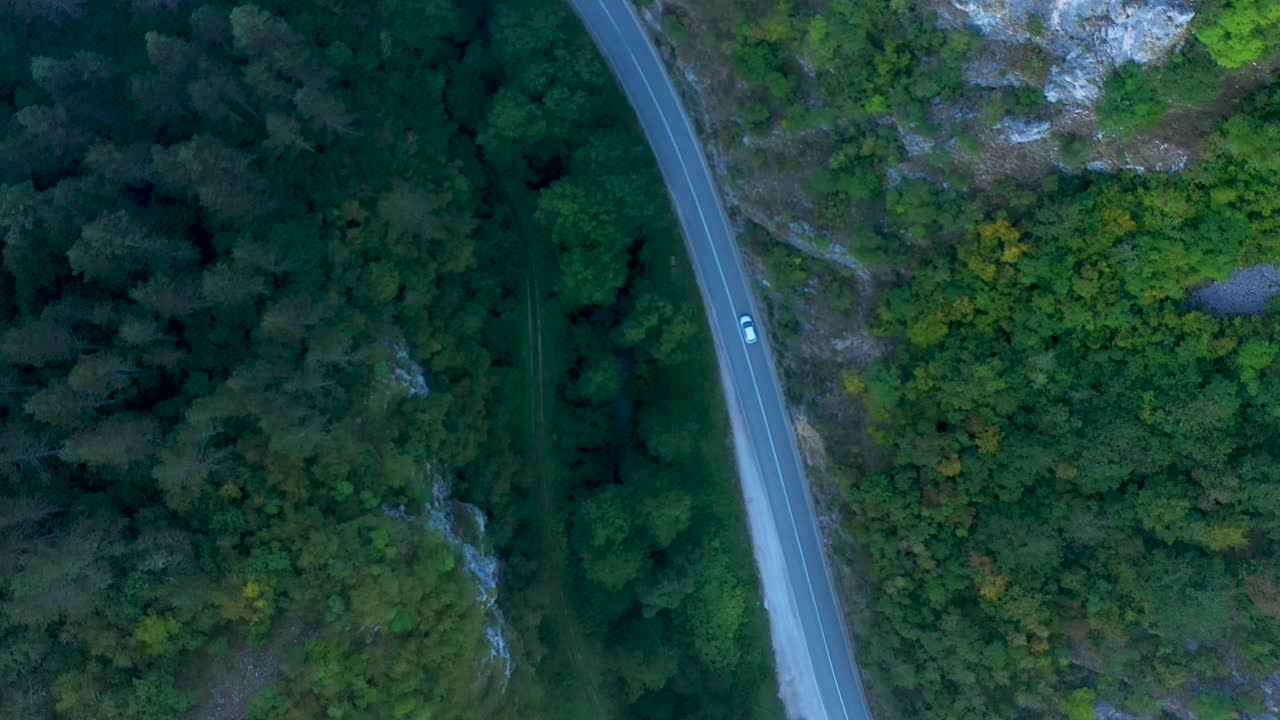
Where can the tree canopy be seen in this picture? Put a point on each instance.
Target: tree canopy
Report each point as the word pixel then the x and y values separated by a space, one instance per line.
pixel 1077 488
pixel 262 275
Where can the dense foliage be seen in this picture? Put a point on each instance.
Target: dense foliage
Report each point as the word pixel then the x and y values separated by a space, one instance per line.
pixel 1071 494
pixel 1079 491
pixel 220 248
pixel 795 59
pixel 260 299
pixel 906 65
pixel 1237 32
pixel 662 617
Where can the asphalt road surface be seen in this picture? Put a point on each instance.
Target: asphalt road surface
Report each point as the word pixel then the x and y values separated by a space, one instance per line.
pixel 754 381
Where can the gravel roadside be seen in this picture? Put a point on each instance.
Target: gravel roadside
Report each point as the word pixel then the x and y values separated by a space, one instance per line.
pixel 796 684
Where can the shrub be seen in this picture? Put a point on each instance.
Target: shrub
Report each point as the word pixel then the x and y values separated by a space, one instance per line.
pixel 1074 149
pixel 1192 77
pixel 1131 99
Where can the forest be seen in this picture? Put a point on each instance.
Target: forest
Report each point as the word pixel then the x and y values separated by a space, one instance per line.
pixel 1073 496
pixel 1076 496
pixel 267 274
pixel 794 58
pixel 1071 492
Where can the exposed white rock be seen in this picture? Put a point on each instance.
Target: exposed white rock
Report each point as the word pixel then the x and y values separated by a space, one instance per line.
pixel 989 73
pixel 463 525
pixel 443 514
pixel 1143 33
pixel 1023 130
pixel 1085 38
pixel 407 373
pixel 1271 693
pixel 913 142
pixel 1103 711
pixel 801 235
pixel 400 376
pixel 499 652
pixel 1176 158
pixel 1269 685
pixel 1077 80
pixel 998 19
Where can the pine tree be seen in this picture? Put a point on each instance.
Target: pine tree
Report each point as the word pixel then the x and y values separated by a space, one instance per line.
pixel 222 176
pixel 325 112
pixel 232 283
pixel 26 451
pixel 187 463
pixel 284 136
pixel 259 33
pixel 52 130
pixel 220 99
pixel 115 249
pixel 102 374
pixel 43 341
pixel 169 297
pixel 211 27
pixel 54 11
pixel 118 441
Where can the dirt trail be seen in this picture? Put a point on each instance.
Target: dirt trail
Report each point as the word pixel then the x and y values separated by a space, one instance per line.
pixel 553 552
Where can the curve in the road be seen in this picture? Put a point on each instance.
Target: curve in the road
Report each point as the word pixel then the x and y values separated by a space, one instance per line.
pixel 619 35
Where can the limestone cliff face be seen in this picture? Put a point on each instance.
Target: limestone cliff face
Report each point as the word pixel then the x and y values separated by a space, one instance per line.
pixel 1084 38
pixel 1065 49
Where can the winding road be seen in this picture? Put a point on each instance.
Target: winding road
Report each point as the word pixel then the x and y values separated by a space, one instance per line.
pixel 751 378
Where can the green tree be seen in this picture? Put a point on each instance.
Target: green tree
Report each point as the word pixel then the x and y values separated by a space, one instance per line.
pixel 1131 98
pixel 118 441
pixel 325 112
pixel 586 230
pixel 657 327
pixel 221 176
pixel 40 341
pixel 606 539
pixel 114 249
pixel 64 577
pixel 259 33
pixel 1238 31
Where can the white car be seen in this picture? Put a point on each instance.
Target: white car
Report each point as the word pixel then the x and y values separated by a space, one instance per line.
pixel 748 329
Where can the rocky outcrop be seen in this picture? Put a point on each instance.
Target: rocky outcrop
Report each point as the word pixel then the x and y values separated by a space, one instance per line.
pixel 1244 293
pixel 463 526
pixel 1085 39
pixel 405 373
pixel 1016 131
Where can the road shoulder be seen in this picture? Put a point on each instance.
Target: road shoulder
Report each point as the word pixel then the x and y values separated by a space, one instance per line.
pixel 796 684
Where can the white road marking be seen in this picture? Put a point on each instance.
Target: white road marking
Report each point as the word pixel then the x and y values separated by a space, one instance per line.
pixel 750 366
